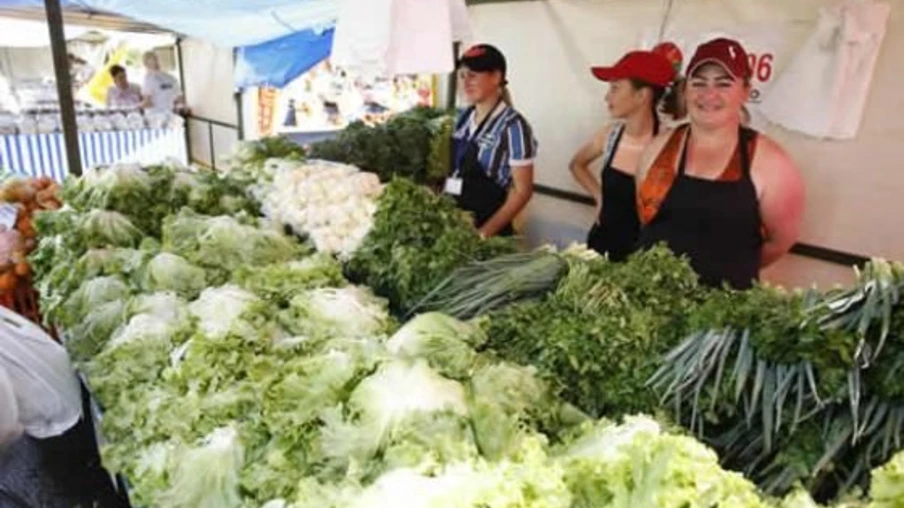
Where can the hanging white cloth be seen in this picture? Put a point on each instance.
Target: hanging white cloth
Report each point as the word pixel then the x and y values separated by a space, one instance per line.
pixel 393 37
pixel 823 90
pixel 37 381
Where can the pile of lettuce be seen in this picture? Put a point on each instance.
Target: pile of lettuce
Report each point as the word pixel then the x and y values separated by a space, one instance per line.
pixel 237 402
pixel 146 195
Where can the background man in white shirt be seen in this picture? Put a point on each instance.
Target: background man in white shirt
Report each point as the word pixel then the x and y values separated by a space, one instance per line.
pixel 161 89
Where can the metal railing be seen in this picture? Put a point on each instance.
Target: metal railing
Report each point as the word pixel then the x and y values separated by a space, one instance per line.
pixel 209 124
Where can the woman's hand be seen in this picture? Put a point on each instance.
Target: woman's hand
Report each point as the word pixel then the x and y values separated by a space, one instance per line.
pixel 520 193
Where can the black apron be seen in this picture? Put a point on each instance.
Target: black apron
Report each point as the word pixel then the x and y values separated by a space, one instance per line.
pixel 616 230
pixel 717 224
pixel 480 193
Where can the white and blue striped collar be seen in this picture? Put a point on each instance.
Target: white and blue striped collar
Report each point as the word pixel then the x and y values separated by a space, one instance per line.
pixel 472 120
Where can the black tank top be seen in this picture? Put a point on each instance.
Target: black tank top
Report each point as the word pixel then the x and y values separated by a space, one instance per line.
pixel 616 230
pixel 716 223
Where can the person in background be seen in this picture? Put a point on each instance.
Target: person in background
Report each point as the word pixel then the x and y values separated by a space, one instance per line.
pixel 727 197
pixel 79 72
pixel 161 89
pixel 637 83
pixel 122 94
pixel 493 146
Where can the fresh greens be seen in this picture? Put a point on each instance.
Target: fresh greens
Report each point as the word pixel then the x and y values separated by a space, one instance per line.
pixel 418 238
pixel 597 337
pixel 399 147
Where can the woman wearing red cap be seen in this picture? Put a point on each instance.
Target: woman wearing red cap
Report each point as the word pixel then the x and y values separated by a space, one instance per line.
pixel 493 146
pixel 726 196
pixel 637 83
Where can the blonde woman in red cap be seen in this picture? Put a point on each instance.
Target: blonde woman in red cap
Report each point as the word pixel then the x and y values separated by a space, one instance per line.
pixel 727 197
pixel 637 83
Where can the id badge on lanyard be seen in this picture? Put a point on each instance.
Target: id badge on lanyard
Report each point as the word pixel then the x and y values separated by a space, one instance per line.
pixel 455 183
pixel 453 186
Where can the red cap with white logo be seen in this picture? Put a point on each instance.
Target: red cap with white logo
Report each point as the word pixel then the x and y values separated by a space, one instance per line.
pixel 727 53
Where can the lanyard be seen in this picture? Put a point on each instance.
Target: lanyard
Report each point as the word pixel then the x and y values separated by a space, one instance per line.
pixel 461 148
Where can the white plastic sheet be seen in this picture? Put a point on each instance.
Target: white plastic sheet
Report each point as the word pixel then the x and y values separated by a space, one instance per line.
pixel 394 37
pixel 42 379
pixel 10 428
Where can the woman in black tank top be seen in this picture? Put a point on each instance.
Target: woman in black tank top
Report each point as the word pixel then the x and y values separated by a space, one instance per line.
pixel 723 195
pixel 636 84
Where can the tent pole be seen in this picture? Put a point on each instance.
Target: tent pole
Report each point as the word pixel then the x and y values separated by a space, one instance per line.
pixel 453 79
pixel 64 84
pixel 239 105
pixel 187 115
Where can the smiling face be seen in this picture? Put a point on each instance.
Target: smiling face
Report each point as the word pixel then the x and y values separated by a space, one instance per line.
pixel 480 86
pixel 624 99
pixel 714 97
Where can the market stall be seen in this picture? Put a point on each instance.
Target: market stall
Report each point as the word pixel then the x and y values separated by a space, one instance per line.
pixel 322 329
pixel 36 148
pixel 361 360
pixel 31 138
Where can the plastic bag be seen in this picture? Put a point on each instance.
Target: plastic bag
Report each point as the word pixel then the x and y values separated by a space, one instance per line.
pixel 10 428
pixel 43 380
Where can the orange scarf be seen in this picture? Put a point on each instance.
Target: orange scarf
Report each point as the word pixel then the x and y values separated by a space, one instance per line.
pixel 662 173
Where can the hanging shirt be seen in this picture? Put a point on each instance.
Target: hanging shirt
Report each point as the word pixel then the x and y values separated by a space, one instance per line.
pixel 162 89
pixel 505 143
pixel 128 98
pixel 823 90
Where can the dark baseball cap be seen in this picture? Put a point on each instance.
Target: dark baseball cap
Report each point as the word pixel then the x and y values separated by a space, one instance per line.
pixel 482 58
pixel 727 53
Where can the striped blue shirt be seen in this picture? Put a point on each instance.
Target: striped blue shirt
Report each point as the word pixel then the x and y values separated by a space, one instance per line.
pixel 505 143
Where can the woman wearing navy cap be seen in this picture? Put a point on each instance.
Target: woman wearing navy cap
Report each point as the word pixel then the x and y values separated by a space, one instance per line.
pixel 637 84
pixel 493 146
pixel 727 197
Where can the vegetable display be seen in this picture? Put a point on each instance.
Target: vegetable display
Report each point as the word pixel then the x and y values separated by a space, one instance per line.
pixel 400 147
pixel 598 335
pixel 407 362
pixel 28 196
pixel 417 239
pixel 796 387
pixel 331 203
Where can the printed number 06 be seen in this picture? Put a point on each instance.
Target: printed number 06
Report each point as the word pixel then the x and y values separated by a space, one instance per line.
pixel 761 65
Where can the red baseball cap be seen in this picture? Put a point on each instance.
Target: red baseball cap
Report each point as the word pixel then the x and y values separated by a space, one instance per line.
pixel 727 53
pixel 647 66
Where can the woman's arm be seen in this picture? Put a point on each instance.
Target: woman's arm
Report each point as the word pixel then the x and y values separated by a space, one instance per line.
pixel 782 197
pixel 520 193
pixel 580 164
